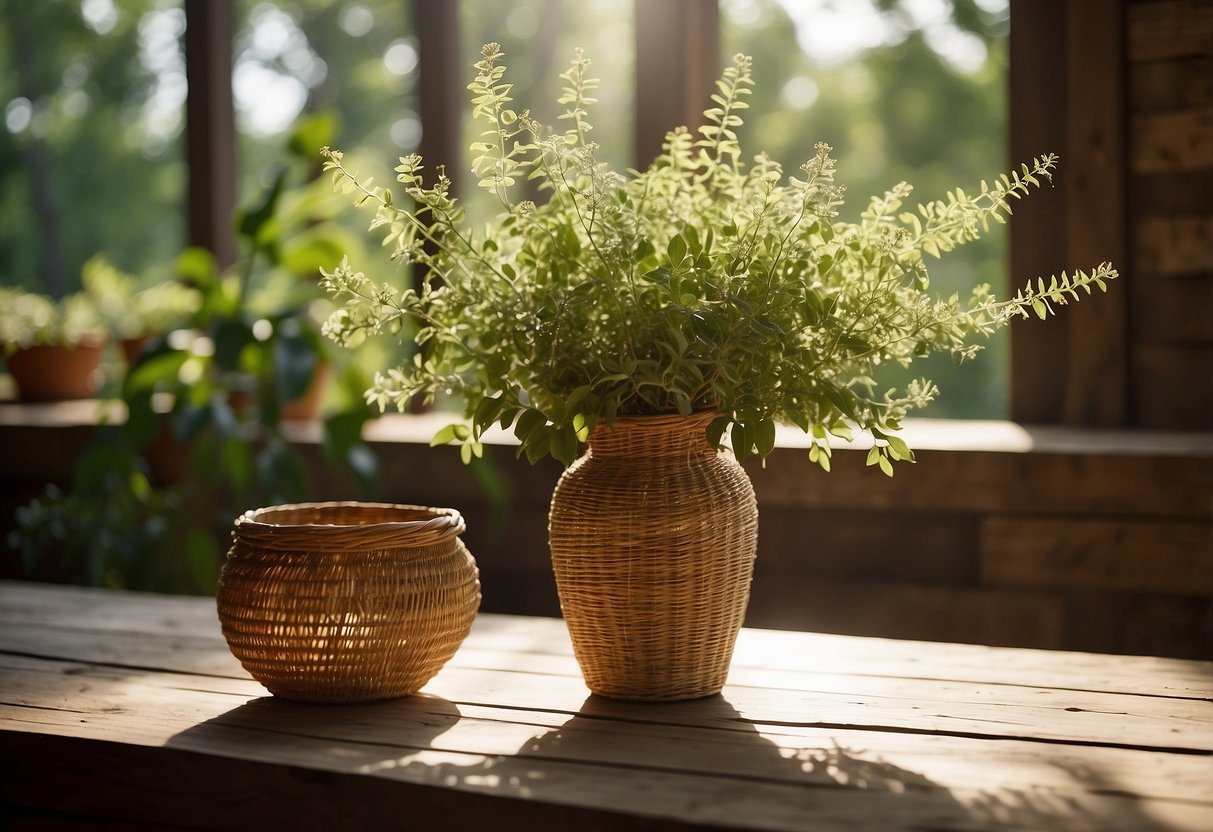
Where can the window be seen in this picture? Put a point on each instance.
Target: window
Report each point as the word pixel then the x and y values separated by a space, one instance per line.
pixel 92 93
pixel 916 92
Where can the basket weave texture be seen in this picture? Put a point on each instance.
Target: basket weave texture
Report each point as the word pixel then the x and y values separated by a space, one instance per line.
pixel 653 535
pixel 347 602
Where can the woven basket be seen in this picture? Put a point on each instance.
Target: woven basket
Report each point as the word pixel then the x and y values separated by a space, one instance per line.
pixel 653 535
pixel 347 602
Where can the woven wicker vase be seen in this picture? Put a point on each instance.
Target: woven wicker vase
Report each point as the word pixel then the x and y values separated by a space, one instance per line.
pixel 347 602
pixel 653 535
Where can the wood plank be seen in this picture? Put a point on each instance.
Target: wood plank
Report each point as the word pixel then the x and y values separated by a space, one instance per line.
pixel 1096 386
pixel 852 733
pixel 210 133
pixel 1038 100
pixel 906 610
pixel 1173 246
pixel 1156 194
pixel 1139 622
pixel 1171 142
pixel 1098 554
pixel 76 623
pixel 677 61
pixel 708 756
pixel 827 700
pixel 1171 85
pixel 460 791
pixel 1160 371
pixel 1036 483
pixel 1173 310
pixel 855 546
pixel 1169 30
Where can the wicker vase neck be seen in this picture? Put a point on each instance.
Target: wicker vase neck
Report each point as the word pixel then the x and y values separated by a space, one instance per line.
pixel 649 436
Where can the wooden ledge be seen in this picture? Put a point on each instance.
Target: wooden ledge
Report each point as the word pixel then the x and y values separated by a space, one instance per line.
pixel 922 434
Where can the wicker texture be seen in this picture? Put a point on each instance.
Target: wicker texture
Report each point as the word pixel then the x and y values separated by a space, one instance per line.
pixel 653 535
pixel 347 602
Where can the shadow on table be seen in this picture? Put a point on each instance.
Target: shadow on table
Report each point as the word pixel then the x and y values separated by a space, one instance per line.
pixel 364 738
pixel 661 760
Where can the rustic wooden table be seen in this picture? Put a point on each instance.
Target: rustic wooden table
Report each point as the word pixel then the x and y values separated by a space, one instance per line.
pixel 128 706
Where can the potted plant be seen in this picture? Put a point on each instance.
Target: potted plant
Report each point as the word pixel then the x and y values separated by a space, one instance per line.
pixel 133 314
pixel 652 315
pixel 52 347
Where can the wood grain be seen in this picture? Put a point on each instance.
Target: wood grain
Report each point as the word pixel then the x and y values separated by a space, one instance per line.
pixel 1160 31
pixel 1103 554
pixel 1174 246
pixel 1171 142
pixel 126 706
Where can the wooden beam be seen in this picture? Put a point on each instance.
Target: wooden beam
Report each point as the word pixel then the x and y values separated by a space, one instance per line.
pixel 1067 91
pixel 210 132
pixel 439 82
pixel 1097 391
pixel 1037 233
pixel 677 62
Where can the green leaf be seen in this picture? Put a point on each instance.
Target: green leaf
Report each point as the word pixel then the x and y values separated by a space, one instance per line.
pixel 899 448
pixel 885 466
pixel 252 221
pixel 238 461
pixel 764 437
pixel 312 132
pixel 201 558
pixel 295 362
pixel 527 423
pixel 450 433
pixel 196 267
pixel 564 446
pixel 676 251
pixel 231 336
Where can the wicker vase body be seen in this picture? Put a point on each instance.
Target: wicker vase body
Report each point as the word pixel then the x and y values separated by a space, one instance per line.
pixel 653 535
pixel 347 602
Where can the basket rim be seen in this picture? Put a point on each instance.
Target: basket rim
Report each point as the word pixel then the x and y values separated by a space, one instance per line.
pixel 439 520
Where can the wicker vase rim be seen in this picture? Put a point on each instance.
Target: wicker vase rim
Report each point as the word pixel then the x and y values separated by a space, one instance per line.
pixel 348 525
pixel 662 433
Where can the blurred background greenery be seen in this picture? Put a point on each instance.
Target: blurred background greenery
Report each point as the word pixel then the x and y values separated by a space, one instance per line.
pixel 93 91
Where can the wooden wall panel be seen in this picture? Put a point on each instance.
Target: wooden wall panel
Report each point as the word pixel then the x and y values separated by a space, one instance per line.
pixel 1171 245
pixel 1171 85
pixel 1159 31
pixel 1180 311
pixel 1172 385
pixel 1170 153
pixel 1107 553
pixel 998 617
pixel 1172 142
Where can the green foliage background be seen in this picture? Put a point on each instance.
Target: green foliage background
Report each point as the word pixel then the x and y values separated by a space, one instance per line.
pixel 88 175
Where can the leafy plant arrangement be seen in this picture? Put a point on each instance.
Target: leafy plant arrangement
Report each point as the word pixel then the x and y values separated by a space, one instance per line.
pixel 152 498
pixel 29 319
pixel 700 283
pixel 253 348
pixel 132 311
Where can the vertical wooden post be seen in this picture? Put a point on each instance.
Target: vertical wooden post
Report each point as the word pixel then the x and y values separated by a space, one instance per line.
pixel 677 61
pixel 437 26
pixel 210 132
pixel 1067 96
pixel 1096 227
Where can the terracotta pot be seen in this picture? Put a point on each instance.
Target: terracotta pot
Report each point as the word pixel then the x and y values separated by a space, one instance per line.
pixel 307 406
pixel 50 372
pixel 653 536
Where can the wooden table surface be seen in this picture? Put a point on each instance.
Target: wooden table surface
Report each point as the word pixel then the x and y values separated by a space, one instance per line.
pixel 127 705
